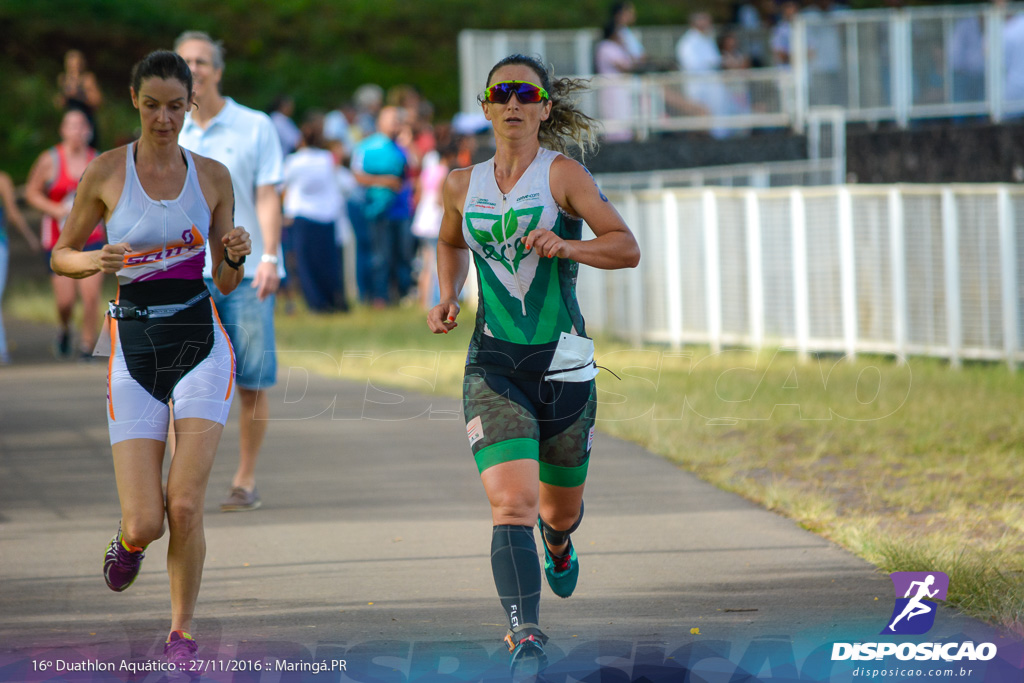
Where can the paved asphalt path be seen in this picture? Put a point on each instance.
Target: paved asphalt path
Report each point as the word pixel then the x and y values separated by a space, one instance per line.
pixel 372 547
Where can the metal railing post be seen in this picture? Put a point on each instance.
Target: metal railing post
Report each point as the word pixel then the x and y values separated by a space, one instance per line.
pixel 951 265
pixel 673 269
pixel 1008 276
pixel 583 53
pixel 898 256
pixel 900 64
pixel 994 61
pixel 801 73
pixel 755 274
pixel 848 272
pixel 466 69
pixel 801 299
pixel 712 269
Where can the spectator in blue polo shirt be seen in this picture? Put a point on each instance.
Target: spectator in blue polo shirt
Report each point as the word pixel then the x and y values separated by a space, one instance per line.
pixel 380 165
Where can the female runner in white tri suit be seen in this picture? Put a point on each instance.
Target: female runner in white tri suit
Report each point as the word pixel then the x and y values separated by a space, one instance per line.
pixel 162 206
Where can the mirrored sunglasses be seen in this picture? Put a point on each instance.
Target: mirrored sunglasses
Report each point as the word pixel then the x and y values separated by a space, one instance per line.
pixel 525 92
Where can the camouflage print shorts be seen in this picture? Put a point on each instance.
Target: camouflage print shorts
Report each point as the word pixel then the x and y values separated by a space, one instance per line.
pixel 552 422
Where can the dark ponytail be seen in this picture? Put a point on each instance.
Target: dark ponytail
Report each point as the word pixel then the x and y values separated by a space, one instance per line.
pixel 162 64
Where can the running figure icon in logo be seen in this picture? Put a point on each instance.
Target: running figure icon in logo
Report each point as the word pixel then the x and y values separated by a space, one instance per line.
pixel 919 589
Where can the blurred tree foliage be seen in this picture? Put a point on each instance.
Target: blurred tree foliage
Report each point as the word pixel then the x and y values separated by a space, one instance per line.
pixel 318 51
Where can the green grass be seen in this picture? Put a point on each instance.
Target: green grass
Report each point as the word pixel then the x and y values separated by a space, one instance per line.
pixel 911 466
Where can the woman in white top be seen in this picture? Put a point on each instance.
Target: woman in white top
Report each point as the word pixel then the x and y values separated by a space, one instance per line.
pixel 614 64
pixel 426 222
pixel 9 213
pixel 312 202
pixel 163 206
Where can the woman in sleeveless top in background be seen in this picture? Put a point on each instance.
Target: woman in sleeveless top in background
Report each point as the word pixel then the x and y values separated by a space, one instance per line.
pixel 529 392
pixel 77 88
pixel 163 207
pixel 50 189
pixel 9 213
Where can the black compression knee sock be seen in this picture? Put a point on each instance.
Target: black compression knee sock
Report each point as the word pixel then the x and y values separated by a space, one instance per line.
pixel 516 570
pixel 557 538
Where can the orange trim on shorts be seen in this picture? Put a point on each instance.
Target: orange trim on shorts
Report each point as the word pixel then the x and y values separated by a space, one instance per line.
pixel 231 349
pixel 110 366
pixel 110 360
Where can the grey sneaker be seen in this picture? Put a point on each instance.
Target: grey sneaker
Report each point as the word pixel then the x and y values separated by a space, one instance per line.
pixel 240 500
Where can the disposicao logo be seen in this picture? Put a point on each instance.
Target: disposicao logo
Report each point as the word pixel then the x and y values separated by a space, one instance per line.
pixel 916 593
pixel 914 614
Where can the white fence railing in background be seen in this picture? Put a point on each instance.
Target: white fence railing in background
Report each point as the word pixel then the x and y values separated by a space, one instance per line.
pixel 726 103
pixel 825 165
pixel 768 174
pixel 922 62
pixel 877 65
pixel 568 51
pixel 903 270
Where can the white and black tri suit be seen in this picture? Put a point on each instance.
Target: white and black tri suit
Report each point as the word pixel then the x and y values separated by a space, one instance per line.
pixel 166 340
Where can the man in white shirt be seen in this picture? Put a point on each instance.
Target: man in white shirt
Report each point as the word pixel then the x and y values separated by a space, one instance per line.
pixel 246 142
pixel 281 113
pixel 697 50
pixel 697 53
pixel 1013 63
pixel 825 54
pixel 313 203
pixel 782 34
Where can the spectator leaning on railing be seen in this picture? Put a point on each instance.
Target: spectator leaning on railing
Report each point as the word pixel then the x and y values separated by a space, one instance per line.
pixel 1013 59
pixel 698 57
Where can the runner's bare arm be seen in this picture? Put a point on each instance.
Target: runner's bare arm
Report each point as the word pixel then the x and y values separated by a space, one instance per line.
pixel 268 213
pixel 224 234
pixel 13 213
pixel 90 207
pixel 42 171
pixel 575 190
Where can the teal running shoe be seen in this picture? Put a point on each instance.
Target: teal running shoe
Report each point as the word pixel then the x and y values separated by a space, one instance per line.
pixel 526 650
pixel 562 571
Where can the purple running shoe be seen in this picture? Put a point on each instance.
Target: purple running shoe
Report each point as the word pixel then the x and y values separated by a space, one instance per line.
pixel 180 650
pixel 120 566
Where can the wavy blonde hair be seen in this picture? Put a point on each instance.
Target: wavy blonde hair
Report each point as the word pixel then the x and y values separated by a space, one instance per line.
pixel 566 124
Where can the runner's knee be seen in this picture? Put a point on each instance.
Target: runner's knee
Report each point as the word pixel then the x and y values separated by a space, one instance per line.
pixel 513 507
pixel 559 523
pixel 141 532
pixel 183 513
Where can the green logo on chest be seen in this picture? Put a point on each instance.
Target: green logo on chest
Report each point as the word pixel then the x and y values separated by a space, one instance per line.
pixel 496 234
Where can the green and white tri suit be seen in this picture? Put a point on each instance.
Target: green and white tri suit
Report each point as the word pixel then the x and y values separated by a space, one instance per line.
pixel 526 303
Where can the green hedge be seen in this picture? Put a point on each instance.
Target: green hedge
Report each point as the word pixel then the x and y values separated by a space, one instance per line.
pixel 319 51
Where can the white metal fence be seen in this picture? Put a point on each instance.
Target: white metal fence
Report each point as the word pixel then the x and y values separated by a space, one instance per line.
pixel 922 62
pixel 726 103
pixel 915 63
pixel 825 165
pixel 768 174
pixel 904 270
